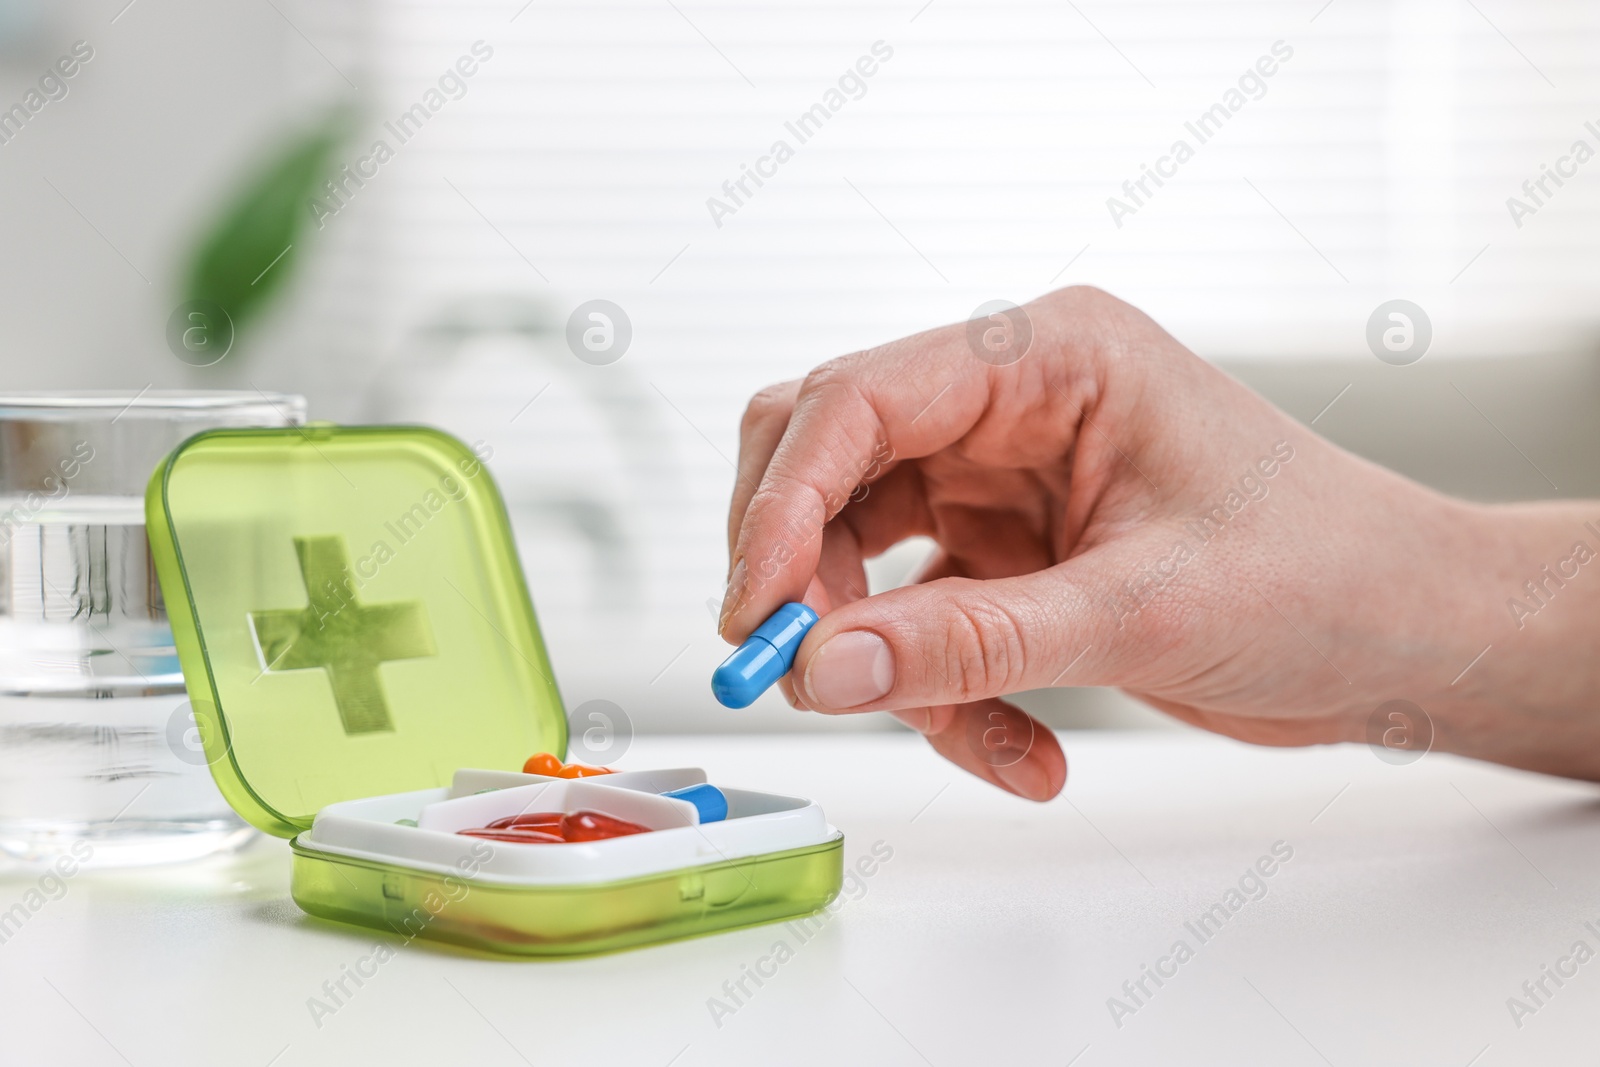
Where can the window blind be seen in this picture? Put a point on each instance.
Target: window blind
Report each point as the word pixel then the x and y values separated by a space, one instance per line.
pixel 984 157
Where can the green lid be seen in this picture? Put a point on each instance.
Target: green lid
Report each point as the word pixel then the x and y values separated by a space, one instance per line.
pixel 350 615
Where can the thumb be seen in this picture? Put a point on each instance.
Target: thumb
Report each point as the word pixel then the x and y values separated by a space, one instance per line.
pixel 955 641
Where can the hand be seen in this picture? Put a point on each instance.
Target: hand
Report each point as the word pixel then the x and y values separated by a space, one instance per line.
pixel 1111 510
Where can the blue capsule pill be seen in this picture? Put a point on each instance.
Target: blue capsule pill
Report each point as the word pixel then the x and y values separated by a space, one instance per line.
pixel 707 799
pixel 765 657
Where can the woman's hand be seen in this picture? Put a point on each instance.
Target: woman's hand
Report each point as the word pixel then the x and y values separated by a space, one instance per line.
pixel 1111 510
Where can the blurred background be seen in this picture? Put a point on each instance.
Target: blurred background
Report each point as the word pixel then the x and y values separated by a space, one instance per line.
pixel 575 163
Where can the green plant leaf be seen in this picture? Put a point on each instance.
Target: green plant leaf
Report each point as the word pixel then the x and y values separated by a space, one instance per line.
pixel 250 250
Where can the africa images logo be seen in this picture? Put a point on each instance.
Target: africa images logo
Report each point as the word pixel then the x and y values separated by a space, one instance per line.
pixel 851 85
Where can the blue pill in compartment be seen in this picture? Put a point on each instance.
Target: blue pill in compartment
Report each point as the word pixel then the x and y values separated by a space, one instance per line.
pixel 706 798
pixel 766 655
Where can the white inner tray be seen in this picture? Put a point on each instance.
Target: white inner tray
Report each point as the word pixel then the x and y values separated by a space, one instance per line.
pixel 757 823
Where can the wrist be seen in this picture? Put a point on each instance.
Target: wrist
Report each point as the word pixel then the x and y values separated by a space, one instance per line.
pixel 1528 615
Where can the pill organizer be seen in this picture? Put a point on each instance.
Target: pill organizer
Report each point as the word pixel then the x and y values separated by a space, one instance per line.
pixel 368 676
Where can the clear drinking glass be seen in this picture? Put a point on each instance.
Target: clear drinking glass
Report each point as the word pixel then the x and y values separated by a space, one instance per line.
pixel 99 755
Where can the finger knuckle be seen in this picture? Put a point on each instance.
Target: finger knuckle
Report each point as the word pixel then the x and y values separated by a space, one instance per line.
pixel 984 647
pixel 841 393
pixel 839 375
pixel 1083 297
pixel 766 404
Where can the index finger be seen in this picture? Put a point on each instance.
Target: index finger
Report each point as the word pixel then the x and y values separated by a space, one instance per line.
pixel 765 419
pixel 851 418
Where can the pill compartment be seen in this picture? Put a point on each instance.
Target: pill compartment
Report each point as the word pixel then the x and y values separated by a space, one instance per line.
pixel 773 857
pixel 355 633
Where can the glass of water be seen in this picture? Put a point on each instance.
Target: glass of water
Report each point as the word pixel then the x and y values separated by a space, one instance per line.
pixel 99 755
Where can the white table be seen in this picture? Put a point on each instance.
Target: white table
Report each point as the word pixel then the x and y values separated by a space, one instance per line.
pixel 1418 899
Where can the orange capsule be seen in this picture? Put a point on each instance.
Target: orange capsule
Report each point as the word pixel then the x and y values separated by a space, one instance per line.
pixel 596 826
pixel 548 822
pixel 542 763
pixel 582 770
pixel 514 835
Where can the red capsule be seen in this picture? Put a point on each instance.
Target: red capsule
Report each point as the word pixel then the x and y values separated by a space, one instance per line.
pixel 596 826
pixel 516 836
pixel 548 822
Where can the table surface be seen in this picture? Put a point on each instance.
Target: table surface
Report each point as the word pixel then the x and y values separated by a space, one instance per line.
pixel 1416 902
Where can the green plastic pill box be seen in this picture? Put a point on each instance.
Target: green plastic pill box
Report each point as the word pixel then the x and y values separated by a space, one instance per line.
pixel 368 676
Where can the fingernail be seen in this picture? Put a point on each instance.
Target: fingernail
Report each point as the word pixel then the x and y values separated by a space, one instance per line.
pixel 850 669
pixel 732 595
pixel 1026 778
